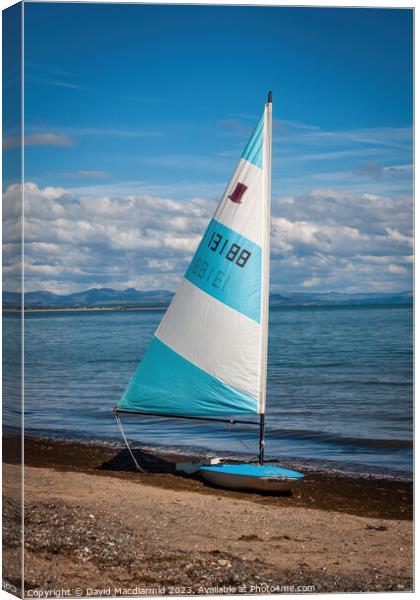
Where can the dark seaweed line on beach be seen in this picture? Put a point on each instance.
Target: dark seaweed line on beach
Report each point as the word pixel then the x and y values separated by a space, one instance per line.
pixel 197 453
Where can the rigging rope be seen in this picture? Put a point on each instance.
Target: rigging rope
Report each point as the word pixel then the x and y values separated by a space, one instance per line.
pixel 254 452
pixel 117 418
pixel 139 468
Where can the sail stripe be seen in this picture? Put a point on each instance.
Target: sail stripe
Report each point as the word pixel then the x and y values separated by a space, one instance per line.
pixel 228 353
pixel 254 149
pixel 225 263
pixel 167 383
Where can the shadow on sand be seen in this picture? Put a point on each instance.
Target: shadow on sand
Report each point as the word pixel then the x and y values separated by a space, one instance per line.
pixel 157 465
pixel 151 463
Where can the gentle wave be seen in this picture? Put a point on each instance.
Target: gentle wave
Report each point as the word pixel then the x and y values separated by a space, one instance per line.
pixel 333 438
pixel 361 382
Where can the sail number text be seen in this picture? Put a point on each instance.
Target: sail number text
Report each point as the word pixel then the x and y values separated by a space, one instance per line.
pixel 214 275
pixel 201 269
pixel 234 252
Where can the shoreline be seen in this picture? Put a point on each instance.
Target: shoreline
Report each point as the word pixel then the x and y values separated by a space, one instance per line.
pixel 378 496
pixel 164 531
pixel 328 467
pixel 123 308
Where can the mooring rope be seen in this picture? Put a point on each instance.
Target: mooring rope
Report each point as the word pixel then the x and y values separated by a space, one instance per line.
pixel 121 428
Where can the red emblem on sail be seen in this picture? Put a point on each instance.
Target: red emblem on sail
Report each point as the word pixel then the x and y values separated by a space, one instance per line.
pixel 238 192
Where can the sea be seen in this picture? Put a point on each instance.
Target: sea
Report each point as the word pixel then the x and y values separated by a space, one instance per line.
pixel 339 395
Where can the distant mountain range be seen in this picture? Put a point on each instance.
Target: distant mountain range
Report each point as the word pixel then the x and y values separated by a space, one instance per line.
pixel 338 298
pixel 132 298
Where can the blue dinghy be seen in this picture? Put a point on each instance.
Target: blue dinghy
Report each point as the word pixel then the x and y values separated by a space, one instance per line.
pixel 252 477
pixel 208 357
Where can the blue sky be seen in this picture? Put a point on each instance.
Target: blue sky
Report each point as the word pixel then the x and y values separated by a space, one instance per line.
pixel 158 102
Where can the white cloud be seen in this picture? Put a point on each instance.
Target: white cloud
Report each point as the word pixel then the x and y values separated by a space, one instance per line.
pixel 55 82
pixel 38 139
pixel 397 270
pixel 395 137
pixel 329 239
pixel 87 175
pixel 399 237
pixel 235 125
pixel 308 283
pixel 78 242
pixel 323 240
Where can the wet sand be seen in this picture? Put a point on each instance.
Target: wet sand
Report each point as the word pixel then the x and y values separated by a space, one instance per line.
pixel 94 523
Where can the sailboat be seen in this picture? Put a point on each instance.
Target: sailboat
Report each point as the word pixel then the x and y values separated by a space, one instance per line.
pixel 208 357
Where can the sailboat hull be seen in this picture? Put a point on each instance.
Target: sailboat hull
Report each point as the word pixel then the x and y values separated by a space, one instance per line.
pixel 252 477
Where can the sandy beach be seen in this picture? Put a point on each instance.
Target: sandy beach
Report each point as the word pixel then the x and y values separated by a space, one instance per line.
pixel 95 527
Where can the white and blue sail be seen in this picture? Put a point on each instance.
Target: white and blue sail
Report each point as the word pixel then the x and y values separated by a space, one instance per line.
pixel 208 356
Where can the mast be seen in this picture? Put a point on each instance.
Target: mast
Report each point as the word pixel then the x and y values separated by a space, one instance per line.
pixel 265 270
